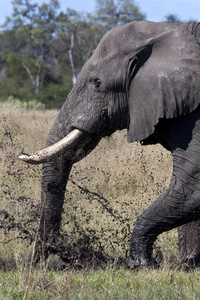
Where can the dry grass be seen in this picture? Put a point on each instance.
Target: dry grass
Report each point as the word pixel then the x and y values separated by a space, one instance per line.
pixel 106 193
pixel 126 177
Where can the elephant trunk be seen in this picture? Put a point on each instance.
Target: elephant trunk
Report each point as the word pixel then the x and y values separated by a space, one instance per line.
pixel 57 158
pixel 55 175
pixel 67 143
pixel 63 148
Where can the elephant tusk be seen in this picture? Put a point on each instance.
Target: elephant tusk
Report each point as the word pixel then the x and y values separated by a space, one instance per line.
pixel 46 154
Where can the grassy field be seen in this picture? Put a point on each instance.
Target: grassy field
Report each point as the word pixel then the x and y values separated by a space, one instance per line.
pixel 105 194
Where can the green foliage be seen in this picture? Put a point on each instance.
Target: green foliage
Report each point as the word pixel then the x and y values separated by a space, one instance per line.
pixel 14 66
pixel 18 104
pixel 43 48
pixel 113 13
pixel 54 95
pixel 171 18
pixel 16 83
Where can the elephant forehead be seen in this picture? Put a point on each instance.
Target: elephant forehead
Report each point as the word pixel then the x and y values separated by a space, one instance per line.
pixel 108 47
pixel 104 48
pixel 108 64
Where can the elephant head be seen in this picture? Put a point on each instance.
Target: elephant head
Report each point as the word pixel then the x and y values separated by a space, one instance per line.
pixel 139 75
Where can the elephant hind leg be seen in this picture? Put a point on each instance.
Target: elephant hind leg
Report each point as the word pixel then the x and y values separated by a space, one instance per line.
pixel 167 212
pixel 189 243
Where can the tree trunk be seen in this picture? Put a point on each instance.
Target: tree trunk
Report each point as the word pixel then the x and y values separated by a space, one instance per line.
pixel 70 52
pixel 189 243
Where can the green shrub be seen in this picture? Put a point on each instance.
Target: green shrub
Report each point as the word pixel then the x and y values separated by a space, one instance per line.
pixel 54 95
pixel 16 103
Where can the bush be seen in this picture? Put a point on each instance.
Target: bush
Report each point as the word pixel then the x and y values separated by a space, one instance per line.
pixel 54 95
pixel 16 103
pixel 50 97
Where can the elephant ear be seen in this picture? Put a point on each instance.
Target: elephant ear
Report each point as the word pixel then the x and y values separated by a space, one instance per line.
pixel 165 83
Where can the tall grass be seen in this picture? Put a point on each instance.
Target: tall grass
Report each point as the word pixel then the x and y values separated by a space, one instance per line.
pixel 105 194
pixel 101 284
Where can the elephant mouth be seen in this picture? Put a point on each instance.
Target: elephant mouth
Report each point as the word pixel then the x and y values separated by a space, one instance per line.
pixel 69 142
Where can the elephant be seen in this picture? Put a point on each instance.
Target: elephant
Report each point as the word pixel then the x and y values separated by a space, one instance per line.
pixel 144 77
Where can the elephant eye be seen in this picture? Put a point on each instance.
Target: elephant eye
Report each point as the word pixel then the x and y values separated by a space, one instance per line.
pixel 95 82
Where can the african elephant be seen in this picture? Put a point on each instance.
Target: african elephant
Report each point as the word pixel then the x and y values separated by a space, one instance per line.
pixel 143 76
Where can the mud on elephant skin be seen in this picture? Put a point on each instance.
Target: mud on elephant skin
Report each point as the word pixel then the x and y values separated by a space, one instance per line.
pixel 143 76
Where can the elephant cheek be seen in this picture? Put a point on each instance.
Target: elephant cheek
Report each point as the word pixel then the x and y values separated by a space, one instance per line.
pixel 91 122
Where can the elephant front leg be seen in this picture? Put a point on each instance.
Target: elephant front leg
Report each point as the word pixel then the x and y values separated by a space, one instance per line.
pixel 54 180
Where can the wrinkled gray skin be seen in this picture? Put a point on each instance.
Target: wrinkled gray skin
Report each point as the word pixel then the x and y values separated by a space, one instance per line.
pixel 143 76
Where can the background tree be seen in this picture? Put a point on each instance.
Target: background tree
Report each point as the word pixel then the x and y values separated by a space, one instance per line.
pixel 43 50
pixel 74 30
pixel 171 18
pixel 113 13
pixel 34 28
pixel 38 25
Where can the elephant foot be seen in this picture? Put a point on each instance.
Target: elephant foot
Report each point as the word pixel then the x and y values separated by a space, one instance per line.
pixel 134 263
pixel 145 258
pixel 141 246
pixel 189 263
